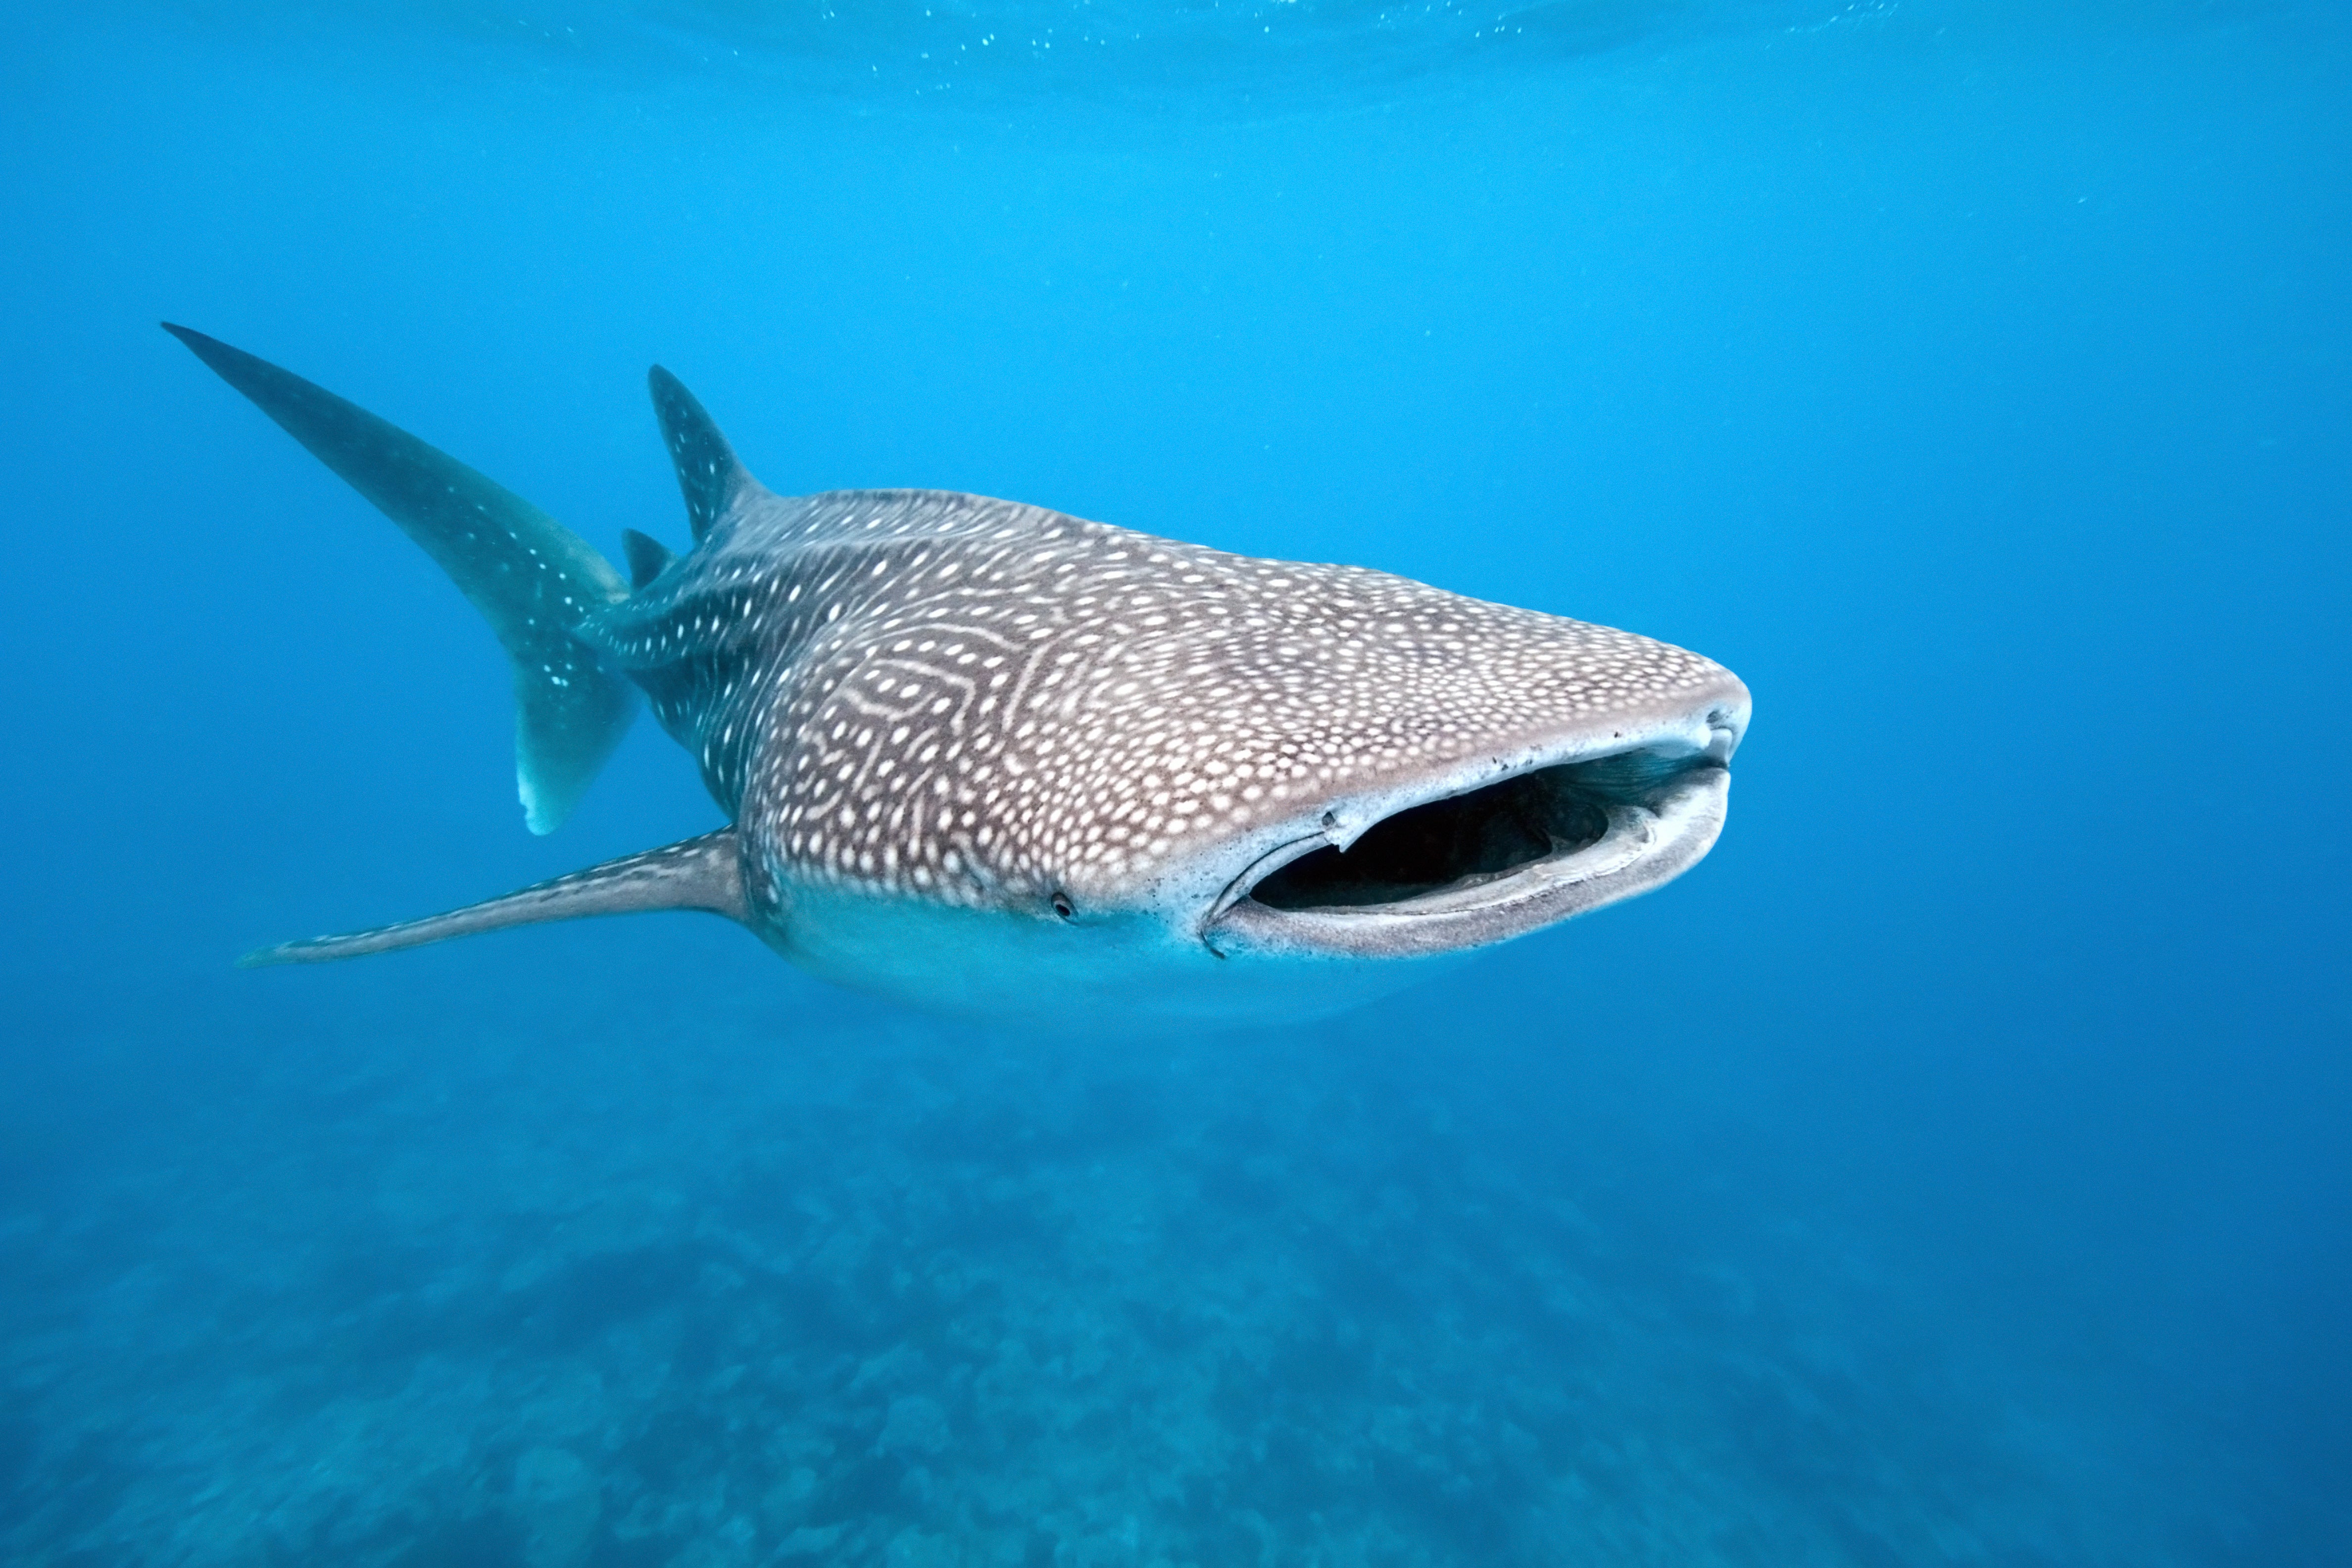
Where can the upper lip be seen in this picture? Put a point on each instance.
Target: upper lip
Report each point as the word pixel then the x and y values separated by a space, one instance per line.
pixel 1481 856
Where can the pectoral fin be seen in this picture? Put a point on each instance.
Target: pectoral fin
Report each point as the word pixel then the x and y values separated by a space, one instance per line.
pixel 704 873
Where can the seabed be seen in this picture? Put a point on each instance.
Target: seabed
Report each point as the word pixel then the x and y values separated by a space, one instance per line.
pixel 812 1287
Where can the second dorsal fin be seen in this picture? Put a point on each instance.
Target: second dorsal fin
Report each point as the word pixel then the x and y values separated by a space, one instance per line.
pixel 648 556
pixel 709 475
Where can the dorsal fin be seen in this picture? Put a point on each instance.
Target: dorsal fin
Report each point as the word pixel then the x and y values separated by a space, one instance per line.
pixel 709 473
pixel 532 578
pixel 704 873
pixel 648 556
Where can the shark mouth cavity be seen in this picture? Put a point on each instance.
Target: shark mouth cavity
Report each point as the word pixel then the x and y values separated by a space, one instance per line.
pixel 1482 865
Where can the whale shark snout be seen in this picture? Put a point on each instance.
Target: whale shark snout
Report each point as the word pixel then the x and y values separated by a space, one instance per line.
pixel 1446 867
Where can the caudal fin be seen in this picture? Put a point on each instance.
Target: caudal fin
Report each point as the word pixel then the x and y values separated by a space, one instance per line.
pixel 532 578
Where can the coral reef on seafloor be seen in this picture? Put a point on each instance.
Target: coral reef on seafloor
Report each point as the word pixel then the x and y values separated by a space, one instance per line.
pixel 880 1292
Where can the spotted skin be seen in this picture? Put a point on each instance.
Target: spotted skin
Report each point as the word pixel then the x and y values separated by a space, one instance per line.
pixel 980 702
pixel 992 759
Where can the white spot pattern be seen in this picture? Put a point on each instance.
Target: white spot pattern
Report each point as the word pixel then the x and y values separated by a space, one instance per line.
pixel 981 702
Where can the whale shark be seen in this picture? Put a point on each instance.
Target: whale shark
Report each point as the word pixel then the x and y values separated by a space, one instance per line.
pixel 987 758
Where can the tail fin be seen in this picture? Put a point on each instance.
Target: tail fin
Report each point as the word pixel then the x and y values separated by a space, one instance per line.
pixel 532 578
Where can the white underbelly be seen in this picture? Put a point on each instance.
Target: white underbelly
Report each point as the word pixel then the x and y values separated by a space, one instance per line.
pixel 1114 974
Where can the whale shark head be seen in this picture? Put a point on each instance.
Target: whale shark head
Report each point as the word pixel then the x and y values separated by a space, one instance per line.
pixel 989 757
pixel 1549 768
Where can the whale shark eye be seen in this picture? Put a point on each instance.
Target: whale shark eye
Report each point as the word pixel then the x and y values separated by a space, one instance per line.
pixel 1062 905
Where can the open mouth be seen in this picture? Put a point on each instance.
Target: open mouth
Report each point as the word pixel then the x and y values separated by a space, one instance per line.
pixel 1462 841
pixel 1489 863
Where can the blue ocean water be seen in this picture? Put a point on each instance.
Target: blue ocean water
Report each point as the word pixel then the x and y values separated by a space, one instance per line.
pixel 1951 1169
